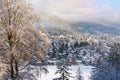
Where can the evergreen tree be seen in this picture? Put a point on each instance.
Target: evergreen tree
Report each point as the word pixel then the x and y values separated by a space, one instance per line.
pixel 61 49
pixel 63 70
pixel 108 68
pixel 114 56
pixel 76 44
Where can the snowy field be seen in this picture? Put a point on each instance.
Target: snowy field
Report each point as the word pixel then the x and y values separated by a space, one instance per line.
pixel 86 70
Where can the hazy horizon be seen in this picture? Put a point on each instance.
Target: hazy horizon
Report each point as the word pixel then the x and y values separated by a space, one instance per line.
pixel 80 10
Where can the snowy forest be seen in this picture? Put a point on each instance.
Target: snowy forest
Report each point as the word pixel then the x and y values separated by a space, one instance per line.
pixel 30 49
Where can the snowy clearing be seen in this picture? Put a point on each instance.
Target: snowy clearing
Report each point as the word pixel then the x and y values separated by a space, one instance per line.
pixel 86 70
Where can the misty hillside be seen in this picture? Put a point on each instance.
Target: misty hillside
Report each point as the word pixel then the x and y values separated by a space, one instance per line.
pixel 55 24
pixel 95 28
pixel 52 21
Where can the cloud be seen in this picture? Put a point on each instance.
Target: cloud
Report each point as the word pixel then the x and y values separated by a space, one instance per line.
pixel 86 10
pixel 61 5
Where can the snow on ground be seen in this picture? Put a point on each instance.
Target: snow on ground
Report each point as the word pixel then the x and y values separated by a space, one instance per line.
pixel 86 70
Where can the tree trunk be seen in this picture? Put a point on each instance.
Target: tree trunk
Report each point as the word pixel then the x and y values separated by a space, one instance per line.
pixel 12 70
pixel 16 69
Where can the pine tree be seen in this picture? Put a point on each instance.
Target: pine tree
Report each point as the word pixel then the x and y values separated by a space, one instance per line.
pixel 108 68
pixel 63 70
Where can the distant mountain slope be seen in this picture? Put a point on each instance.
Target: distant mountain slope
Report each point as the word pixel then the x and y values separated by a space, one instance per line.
pixel 95 28
pixel 54 24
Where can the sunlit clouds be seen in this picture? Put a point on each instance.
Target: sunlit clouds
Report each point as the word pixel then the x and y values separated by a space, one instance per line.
pixel 80 9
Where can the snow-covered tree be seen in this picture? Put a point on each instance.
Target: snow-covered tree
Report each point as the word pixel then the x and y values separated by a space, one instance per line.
pixel 3 68
pixel 20 42
pixel 63 70
pixel 108 68
pixel 114 56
